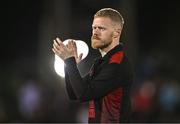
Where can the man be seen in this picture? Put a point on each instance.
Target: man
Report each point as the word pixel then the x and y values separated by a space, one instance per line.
pixel 107 85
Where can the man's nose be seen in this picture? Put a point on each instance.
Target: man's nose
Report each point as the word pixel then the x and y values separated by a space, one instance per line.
pixel 96 31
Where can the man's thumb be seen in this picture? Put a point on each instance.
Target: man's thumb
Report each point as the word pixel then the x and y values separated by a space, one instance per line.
pixel 80 56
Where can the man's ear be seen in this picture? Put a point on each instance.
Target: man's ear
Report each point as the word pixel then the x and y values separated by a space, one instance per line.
pixel 117 32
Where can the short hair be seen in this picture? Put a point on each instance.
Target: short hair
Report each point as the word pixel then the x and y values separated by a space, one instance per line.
pixel 113 14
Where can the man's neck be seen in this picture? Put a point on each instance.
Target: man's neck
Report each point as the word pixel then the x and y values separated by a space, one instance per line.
pixel 107 49
pixel 103 53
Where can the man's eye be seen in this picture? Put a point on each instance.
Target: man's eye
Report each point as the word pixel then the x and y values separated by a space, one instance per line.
pixel 102 28
pixel 99 28
pixel 93 28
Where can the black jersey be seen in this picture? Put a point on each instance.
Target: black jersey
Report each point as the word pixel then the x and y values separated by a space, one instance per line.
pixel 106 87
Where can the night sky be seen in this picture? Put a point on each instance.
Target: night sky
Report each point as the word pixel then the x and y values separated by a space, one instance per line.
pixel 19 28
pixel 158 23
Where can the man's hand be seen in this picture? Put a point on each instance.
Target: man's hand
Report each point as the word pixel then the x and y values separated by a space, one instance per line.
pixel 72 45
pixel 61 50
pixel 66 51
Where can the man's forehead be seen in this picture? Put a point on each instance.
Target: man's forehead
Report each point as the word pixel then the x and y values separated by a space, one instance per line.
pixel 102 21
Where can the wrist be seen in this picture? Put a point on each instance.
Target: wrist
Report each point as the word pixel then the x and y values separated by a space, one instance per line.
pixel 70 56
pixel 69 60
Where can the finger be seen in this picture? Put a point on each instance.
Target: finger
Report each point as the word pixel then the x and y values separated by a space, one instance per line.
pixel 56 42
pixel 56 46
pixel 56 52
pixel 74 44
pixel 67 46
pixel 60 43
pixel 74 48
pixel 80 56
pixel 70 43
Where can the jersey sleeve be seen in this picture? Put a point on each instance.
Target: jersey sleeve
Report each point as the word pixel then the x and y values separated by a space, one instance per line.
pixel 110 77
pixel 69 88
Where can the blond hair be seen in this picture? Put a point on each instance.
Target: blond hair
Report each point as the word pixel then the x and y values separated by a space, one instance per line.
pixel 113 14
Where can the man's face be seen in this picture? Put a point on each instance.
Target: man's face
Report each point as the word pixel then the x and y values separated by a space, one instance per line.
pixel 102 32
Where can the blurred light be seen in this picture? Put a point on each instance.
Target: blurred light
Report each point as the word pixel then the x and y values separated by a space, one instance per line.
pixel 82 47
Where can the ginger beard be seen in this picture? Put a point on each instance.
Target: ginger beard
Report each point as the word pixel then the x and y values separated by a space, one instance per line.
pixel 99 43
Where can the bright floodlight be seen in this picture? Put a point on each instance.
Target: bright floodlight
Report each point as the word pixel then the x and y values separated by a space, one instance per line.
pixel 82 47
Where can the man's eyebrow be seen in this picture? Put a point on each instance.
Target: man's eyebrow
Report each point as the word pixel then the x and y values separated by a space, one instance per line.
pixel 101 26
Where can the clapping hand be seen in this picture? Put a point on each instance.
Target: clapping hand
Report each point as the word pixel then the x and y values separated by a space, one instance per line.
pixel 66 51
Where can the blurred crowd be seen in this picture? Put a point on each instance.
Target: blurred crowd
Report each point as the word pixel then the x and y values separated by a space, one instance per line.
pixel 155 97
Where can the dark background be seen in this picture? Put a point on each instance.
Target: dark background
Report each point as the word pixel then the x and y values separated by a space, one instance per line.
pixel 31 91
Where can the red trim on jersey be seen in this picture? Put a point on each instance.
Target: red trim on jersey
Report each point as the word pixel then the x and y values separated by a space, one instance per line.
pixel 117 57
pixel 111 106
pixel 92 113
